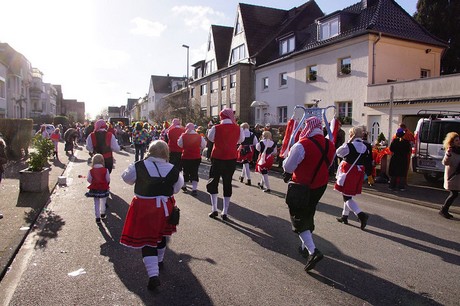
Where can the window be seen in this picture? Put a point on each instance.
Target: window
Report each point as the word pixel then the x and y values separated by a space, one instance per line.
pixel 214 111
pixel 237 54
pixel 233 107
pixel 283 79
pixel 214 86
pixel 192 92
pixel 264 83
pixel 312 72
pixel 344 66
pixel 424 73
pixel 282 114
pixel 210 42
pixel 223 82
pixel 345 111
pixel 232 80
pixel 203 89
pixel 238 27
pixel 2 89
pixel 329 28
pixel 287 45
pixel 209 67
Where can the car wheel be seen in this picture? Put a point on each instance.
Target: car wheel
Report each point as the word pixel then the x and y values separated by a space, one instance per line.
pixel 432 177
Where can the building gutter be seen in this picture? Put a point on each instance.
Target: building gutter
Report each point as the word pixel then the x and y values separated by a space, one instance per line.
pixel 373 56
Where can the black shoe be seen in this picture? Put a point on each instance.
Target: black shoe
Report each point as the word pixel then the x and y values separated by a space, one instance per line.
pixel 313 259
pixel 241 179
pixel 184 188
pixel 1 216
pixel 248 183
pixel 194 193
pixel 267 190
pixel 363 217
pixel 261 185
pixel 343 219
pixel 103 216
pixel 445 214
pixel 154 282
pixel 161 265
pixel 213 215
pixel 225 218
pixel 303 252
pixel 98 220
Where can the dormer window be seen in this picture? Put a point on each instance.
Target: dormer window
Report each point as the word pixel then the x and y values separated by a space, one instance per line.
pixel 287 45
pixel 329 28
pixel 209 67
pixel 238 27
pixel 237 54
pixel 210 43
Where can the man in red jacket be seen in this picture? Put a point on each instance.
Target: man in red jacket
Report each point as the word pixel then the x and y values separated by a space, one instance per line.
pixel 307 166
pixel 225 136
pixel 172 136
pixel 192 143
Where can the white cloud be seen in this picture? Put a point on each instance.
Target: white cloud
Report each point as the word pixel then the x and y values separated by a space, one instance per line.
pixel 147 28
pixel 198 17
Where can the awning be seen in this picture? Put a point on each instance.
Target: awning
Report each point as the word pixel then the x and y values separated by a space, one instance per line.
pixel 259 103
pixel 414 101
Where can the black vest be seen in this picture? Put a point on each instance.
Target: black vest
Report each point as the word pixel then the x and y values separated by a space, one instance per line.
pixel 148 186
pixel 353 155
pixel 269 150
pixel 248 140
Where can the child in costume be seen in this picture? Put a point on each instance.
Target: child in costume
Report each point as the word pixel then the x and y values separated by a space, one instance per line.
pixel 268 151
pixel 98 179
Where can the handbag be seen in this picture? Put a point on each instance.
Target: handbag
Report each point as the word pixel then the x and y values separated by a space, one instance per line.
pixel 174 216
pixel 341 176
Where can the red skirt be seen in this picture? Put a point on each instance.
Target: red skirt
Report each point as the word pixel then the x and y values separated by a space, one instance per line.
pixel 245 152
pixel 264 165
pixel 146 223
pixel 353 182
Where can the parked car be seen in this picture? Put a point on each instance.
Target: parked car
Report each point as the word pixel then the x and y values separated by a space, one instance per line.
pixel 428 149
pixel 49 128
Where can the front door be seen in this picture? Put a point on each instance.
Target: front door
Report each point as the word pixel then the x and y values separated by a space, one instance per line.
pixel 374 128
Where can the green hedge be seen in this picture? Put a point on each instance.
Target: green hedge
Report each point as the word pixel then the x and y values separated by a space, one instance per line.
pixel 18 135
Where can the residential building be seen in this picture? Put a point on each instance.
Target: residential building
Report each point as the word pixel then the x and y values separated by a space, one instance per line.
pixel 3 76
pixel 159 87
pixel 74 110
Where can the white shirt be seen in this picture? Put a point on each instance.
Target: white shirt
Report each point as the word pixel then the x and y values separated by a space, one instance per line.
pixel 343 150
pixel 297 154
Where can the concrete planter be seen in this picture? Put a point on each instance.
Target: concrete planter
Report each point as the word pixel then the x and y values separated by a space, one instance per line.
pixel 34 181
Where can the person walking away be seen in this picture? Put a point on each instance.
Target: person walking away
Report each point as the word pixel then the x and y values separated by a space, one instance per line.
pixel 70 136
pixel 98 178
pixel 103 142
pixel 172 135
pixel 43 132
pixel 209 143
pixel 307 165
pixel 192 143
pixel 351 170
pixel 451 161
pixel 399 163
pixel 246 152
pixel 3 161
pixel 267 151
pixel 146 225
pixel 225 136
pixel 55 137
pixel 140 138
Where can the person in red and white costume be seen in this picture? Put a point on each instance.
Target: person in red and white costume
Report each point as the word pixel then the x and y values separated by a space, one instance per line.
pixel 268 151
pixel 308 164
pixel 354 152
pixel 103 142
pixel 192 143
pixel 99 179
pixel 246 153
pixel 225 136
pixel 172 136
pixel 146 224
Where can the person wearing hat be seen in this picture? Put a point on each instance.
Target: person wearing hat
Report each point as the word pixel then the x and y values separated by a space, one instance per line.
pixel 192 143
pixel 172 136
pixel 225 136
pixel 355 155
pixel 399 163
pixel 103 142
pixel 307 166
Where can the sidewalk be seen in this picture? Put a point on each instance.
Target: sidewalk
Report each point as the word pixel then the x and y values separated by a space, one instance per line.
pixel 21 210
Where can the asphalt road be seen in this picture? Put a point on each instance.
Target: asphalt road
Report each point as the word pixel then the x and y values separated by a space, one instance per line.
pixel 408 255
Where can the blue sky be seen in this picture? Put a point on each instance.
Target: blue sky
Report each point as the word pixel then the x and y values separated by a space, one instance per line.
pixel 103 52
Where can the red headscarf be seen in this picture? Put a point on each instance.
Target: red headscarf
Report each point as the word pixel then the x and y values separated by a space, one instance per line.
pixel 311 124
pixel 100 124
pixel 227 113
pixel 189 127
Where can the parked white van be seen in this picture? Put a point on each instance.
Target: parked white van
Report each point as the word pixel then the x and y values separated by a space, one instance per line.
pixel 430 132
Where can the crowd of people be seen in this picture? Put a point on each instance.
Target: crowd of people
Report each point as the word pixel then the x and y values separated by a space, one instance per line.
pixel 167 157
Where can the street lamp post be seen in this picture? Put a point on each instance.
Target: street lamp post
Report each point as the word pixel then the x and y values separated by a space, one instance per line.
pixel 186 83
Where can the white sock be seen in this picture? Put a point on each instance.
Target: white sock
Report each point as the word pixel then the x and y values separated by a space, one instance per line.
pixel 102 205
pixel 97 211
pixel 346 210
pixel 267 184
pixel 226 205
pixel 247 171
pixel 353 206
pixel 243 170
pixel 151 265
pixel 161 254
pixel 214 201
pixel 194 185
pixel 307 240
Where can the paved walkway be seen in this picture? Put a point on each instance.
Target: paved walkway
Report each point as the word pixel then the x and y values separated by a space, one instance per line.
pixel 20 210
